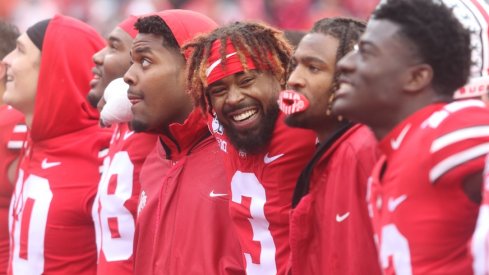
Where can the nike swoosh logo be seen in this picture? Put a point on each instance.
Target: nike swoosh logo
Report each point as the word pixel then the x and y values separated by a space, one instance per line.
pixel 213 195
pixel 268 159
pixel 394 203
pixel 46 165
pixel 340 218
pixel 396 143
pixel 128 134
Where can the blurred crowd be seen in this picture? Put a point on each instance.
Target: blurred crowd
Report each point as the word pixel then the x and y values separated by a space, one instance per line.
pixel 104 14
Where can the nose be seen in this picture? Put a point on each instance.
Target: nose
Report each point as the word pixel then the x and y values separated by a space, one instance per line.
pixel 234 95
pixel 296 80
pixel 130 76
pixel 98 57
pixel 346 63
pixel 7 60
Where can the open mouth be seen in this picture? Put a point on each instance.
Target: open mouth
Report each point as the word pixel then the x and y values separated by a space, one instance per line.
pixel 244 115
pixel 344 87
pixel 9 78
pixel 291 102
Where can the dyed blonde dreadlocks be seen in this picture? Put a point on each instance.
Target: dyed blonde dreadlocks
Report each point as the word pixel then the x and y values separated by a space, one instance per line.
pixel 266 46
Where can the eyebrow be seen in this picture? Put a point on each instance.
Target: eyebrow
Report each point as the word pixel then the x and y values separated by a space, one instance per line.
pixel 309 59
pixel 367 43
pixel 114 39
pixel 140 50
pixel 20 44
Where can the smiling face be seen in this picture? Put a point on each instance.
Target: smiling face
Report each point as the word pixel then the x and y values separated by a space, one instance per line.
pixel 111 62
pixel 22 75
pixel 156 85
pixel 312 75
pixel 246 105
pixel 373 76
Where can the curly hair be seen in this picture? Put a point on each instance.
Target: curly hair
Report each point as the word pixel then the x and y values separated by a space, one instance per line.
pixel 266 46
pixel 346 30
pixel 8 34
pixel 153 24
pixel 439 38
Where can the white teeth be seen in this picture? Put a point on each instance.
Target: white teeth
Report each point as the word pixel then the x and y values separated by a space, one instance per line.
pixel 345 86
pixel 244 115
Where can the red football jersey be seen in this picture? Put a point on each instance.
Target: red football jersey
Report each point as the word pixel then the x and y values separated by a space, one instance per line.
pixel 12 136
pixel 262 186
pixel 480 240
pixel 421 215
pixel 115 207
pixel 50 221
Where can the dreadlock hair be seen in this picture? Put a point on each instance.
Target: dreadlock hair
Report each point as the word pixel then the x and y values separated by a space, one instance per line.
pixel 438 37
pixel 153 24
pixel 8 34
pixel 346 30
pixel 266 46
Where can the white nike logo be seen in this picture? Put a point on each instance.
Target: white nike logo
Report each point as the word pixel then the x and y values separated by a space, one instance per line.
pixel 213 195
pixel 128 134
pixel 46 165
pixel 394 203
pixel 396 143
pixel 340 218
pixel 268 160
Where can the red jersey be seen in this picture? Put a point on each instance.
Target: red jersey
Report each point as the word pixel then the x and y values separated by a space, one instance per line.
pixel 262 186
pixel 480 240
pixel 51 227
pixel 421 215
pixel 12 136
pixel 183 224
pixel 115 206
pixel 330 229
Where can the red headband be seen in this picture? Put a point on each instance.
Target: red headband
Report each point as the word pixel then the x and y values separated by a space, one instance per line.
pixel 218 69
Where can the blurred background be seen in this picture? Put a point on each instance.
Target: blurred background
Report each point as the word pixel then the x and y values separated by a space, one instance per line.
pixel 105 14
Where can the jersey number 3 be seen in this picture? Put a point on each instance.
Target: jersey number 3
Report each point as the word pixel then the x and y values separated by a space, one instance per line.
pixel 247 185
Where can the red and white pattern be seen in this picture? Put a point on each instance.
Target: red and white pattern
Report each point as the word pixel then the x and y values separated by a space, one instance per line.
pixel 421 215
pixel 262 186
pixel 12 135
pixel 115 206
pixel 480 240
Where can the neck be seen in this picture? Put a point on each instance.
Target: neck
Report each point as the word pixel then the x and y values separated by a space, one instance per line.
pixel 330 127
pixel 397 114
pixel 28 120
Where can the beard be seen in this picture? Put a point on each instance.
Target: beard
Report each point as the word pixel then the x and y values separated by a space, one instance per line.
pixel 138 126
pixel 255 140
pixel 93 100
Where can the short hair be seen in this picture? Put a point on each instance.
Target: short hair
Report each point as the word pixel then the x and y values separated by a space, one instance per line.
pixel 266 46
pixel 154 24
pixel 439 39
pixel 8 37
pixel 346 30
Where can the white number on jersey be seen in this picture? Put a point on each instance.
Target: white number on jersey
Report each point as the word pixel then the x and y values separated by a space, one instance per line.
pixel 395 250
pixel 114 223
pixel 247 185
pixel 28 216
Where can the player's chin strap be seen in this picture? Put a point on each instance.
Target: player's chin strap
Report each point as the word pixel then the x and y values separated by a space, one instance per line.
pixel 302 186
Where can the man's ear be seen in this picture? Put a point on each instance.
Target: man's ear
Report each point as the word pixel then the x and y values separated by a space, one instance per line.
pixel 418 78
